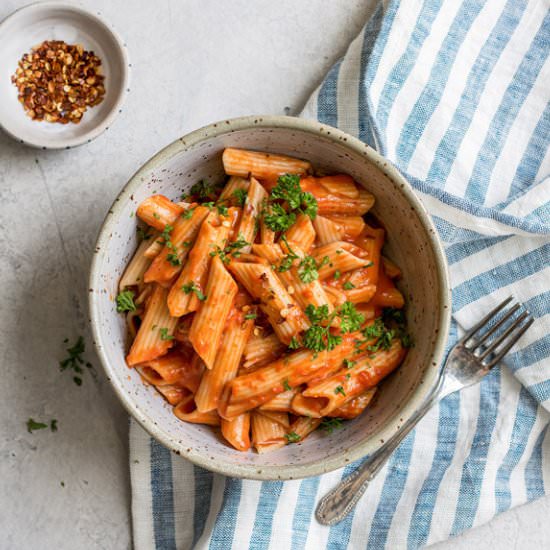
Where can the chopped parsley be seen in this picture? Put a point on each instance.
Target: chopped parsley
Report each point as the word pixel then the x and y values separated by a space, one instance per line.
pixel 278 219
pixel 348 363
pixel 208 205
pixel 331 424
pixel 222 210
pixel 348 285
pixel 156 216
pixel 370 264
pixel 53 425
pixel 125 301
pixel 75 360
pixel 287 262
pixel 251 316
pixel 192 287
pixel 288 189
pixel 294 343
pixel 308 270
pixel 166 233
pixel 292 437
pixel 232 249
pixel 203 190
pixel 337 274
pixel 188 214
pixel 173 258
pixel 339 389
pixel 32 425
pixel 350 319
pixel 380 334
pixel 164 334
pixel 143 234
pixel 286 385
pixel 240 196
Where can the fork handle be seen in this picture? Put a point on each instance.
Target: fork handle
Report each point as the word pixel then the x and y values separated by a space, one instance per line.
pixel 339 502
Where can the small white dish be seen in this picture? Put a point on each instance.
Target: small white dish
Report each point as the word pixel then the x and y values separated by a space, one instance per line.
pixel 29 27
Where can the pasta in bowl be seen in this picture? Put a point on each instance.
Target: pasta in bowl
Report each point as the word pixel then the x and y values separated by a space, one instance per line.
pixel 262 306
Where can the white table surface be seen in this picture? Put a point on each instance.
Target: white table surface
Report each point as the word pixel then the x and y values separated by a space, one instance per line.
pixel 194 62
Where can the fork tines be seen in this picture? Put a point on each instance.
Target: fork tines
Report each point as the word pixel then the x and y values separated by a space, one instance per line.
pixel 511 331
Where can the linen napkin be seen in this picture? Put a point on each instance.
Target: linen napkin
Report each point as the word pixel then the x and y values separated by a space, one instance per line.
pixel 455 93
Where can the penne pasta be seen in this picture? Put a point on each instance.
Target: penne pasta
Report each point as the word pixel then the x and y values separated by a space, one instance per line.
pixel 267 435
pixel 262 307
pixel 237 431
pixel 367 372
pixel 209 321
pixel 170 259
pixel 155 335
pixel 238 162
pixel 186 293
pixel 236 333
pixel 282 311
pixel 158 211
pixel 133 275
pixel 302 233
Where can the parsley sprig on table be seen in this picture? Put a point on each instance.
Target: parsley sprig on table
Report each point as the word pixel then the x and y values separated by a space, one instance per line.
pixel 288 189
pixel 75 361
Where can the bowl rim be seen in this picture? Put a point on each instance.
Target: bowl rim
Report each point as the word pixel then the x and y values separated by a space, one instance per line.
pixel 122 50
pixel 429 377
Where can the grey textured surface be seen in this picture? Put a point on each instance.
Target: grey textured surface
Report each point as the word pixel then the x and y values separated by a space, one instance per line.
pixel 194 61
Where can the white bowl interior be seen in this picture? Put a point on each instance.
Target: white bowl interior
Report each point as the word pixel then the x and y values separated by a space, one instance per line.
pixel 408 244
pixel 29 27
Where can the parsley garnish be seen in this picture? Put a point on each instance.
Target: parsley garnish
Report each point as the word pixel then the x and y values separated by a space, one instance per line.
pixel 53 425
pixel 222 210
pixel 370 264
pixel 331 424
pixel 240 196
pixel 348 285
pixel 231 248
pixel 156 216
pixel 188 214
pixel 251 316
pixel 294 343
pixel 318 337
pixel 288 189
pixel 192 287
pixel 308 270
pixel 75 360
pixel 173 258
pixel 286 385
pixel 33 425
pixel 337 274
pixel 203 190
pixel 164 334
pixel 350 319
pixel 339 389
pixel 125 301
pixel 292 437
pixel 278 219
pixel 348 363
pixel 143 234
pixel 166 233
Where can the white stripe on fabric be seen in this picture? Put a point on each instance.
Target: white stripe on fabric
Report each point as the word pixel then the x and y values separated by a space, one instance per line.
pixel 417 80
pixel 281 528
pixel 539 329
pixel 499 444
pixel 183 481
pixel 497 84
pixel 425 443
pixel 348 88
pixel 537 196
pixel 216 499
pixel 517 478
pixel 406 19
pixel 140 476
pixel 517 139
pixel 546 454
pixel 533 374
pixel 447 496
pixel 465 220
pixel 423 156
pixel 310 110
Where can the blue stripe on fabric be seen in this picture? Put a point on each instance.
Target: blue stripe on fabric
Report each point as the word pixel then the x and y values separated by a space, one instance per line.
pixel 532 157
pixel 541 390
pixel 451 233
pixel 526 414
pixel 489 54
pixel 460 251
pixel 203 495
pixel 473 468
pixel 503 275
pixel 430 96
pixel 370 36
pixel 405 64
pixel 394 484
pixel 477 210
pixel 327 105
pixel 338 538
pixel 263 523
pixel 513 99
pixel 224 529
pixel 447 433
pixel 534 477
pixel 529 355
pixel 162 494
pixel 307 495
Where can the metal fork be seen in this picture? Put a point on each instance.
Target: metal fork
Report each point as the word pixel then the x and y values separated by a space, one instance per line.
pixel 468 362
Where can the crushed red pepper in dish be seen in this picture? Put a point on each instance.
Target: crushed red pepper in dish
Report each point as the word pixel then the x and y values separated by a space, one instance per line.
pixel 57 82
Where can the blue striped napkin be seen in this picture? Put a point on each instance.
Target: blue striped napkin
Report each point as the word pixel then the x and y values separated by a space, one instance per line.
pixel 456 94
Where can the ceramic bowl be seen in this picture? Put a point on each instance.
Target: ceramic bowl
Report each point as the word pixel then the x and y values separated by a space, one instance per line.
pixel 29 27
pixel 412 243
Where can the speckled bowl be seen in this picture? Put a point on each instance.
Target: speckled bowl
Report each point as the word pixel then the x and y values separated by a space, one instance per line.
pixel 412 243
